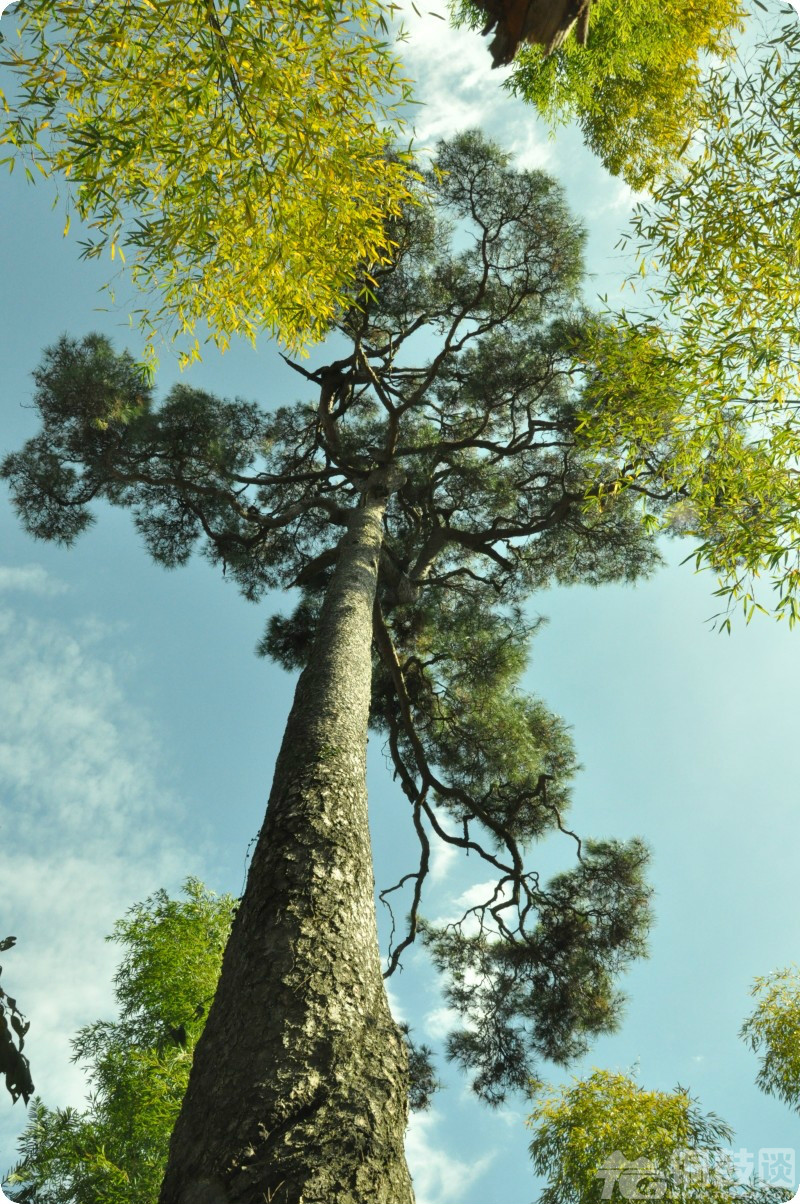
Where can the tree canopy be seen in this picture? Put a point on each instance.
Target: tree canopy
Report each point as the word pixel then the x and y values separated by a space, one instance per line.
pixel 721 231
pixel 606 1136
pixel 635 86
pixel 247 200
pixel 717 243
pixel 490 505
pixel 114 1151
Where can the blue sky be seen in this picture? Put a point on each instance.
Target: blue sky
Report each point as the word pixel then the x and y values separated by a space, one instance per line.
pixel 138 729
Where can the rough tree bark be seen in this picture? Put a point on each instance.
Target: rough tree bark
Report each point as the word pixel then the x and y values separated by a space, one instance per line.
pixel 546 22
pixel 298 1093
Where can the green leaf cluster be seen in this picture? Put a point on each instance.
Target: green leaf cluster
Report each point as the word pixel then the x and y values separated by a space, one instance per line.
pixel 547 993
pixel 720 235
pixel 234 155
pixel 115 1150
pixel 701 465
pixel 723 228
pixel 491 741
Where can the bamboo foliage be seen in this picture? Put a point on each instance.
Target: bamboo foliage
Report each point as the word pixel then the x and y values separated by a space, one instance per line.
pixel 233 155
pixel 634 87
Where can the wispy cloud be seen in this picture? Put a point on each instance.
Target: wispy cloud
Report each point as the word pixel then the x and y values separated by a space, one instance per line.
pixel 440 1022
pixel 85 828
pixel 621 198
pixel 460 90
pixel 475 896
pixel 438 1177
pixel 443 858
pixel 31 579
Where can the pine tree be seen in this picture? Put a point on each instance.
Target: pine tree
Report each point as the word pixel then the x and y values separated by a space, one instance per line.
pixel 438 478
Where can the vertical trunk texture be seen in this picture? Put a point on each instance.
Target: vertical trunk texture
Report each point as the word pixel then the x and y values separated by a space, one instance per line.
pixel 298 1093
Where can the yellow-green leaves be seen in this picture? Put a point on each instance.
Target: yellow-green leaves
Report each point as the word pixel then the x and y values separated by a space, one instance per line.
pixel 723 232
pixel 634 88
pixel 236 153
pixel 591 1132
pixel 705 463
pixel 773 1032
pixel 724 227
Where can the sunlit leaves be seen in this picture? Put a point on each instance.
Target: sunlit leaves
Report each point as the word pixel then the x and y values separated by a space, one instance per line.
pixel 235 157
pixel 722 473
pixel 721 234
pixel 696 397
pixel 724 227
pixel 773 1032
pixel 580 1127
pixel 634 88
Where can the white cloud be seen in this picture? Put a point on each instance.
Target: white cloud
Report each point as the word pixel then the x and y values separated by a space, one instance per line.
pixel 622 198
pixel 439 1022
pixel 459 89
pixel 395 1005
pixel 443 855
pixel 438 1177
pixel 31 579
pixel 476 895
pixel 85 827
pixel 511 1118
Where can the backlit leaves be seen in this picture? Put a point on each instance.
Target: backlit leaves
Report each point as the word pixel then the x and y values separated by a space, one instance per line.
pixel 721 232
pixel 669 1146
pixel 634 88
pixel 724 228
pixel 773 1032
pixel 234 156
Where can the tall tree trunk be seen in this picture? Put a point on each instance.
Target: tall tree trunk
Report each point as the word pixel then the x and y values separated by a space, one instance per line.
pixel 298 1093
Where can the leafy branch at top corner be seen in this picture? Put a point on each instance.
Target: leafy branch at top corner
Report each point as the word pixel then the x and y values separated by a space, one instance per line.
pixel 304 176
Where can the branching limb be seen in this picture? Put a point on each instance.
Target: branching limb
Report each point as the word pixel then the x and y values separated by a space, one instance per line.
pixel 419 877
pixel 390 659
